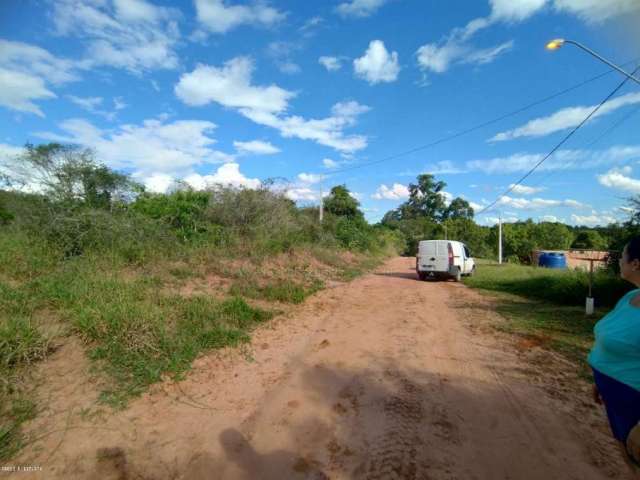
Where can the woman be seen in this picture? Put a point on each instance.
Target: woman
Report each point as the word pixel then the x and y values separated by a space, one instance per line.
pixel 615 359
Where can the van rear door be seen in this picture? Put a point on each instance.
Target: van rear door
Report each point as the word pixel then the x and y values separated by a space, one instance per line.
pixel 433 256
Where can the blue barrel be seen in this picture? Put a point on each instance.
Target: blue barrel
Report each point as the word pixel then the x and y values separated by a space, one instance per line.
pixel 552 260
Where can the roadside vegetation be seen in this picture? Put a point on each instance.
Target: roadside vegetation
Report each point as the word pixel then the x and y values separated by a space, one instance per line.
pixel 147 281
pixel 87 252
pixel 546 307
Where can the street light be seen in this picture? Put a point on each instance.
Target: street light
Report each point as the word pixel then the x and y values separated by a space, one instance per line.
pixel 559 42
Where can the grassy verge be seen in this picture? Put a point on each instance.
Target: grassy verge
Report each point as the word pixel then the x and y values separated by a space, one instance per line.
pixel 135 332
pixel 275 290
pixel 546 307
pixel 561 287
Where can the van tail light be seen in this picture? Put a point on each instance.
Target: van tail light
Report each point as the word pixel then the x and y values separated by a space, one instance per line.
pixel 450 249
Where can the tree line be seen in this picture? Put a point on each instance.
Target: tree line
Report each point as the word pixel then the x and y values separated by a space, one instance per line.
pixel 75 202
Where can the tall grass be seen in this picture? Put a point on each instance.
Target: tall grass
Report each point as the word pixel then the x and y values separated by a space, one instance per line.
pixel 106 274
pixel 546 306
pixel 561 287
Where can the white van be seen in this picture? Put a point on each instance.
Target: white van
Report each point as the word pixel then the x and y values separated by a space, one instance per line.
pixel 444 258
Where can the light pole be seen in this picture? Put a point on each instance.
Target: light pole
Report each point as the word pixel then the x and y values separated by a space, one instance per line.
pixel 559 42
pixel 321 217
pixel 500 238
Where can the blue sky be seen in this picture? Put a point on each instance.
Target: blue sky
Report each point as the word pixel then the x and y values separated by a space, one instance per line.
pixel 237 92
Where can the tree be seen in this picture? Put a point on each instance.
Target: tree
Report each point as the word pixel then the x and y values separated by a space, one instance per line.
pixel 425 199
pixel 589 240
pixel 341 203
pixel 458 208
pixel 68 174
pixel 551 236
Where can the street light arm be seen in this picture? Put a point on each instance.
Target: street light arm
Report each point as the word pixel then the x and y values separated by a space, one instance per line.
pixel 602 59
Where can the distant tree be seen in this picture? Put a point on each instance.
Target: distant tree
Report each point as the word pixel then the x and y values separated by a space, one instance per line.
pixel 425 199
pixel 589 239
pixel 551 236
pixel 68 174
pixel 392 218
pixel 458 208
pixel 341 203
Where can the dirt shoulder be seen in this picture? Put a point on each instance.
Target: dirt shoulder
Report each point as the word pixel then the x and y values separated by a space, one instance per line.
pixel 384 377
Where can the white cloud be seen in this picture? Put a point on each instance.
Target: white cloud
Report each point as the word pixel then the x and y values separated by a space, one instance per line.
pixel 476 206
pixel 230 86
pixel 282 52
pixel 525 190
pixel 565 118
pixel 327 131
pixel 87 103
pixel 620 179
pixel 298 194
pixel 593 220
pixel 218 16
pixel 596 11
pixel 9 151
pixel 27 73
pixel 228 175
pixel 537 203
pixel 157 182
pixel 377 64
pixel 330 63
pixel 36 61
pixel 154 147
pixel 311 178
pixel 515 11
pixel 330 164
pixel 18 90
pixel 455 48
pixel 486 55
pixel 359 8
pixel 311 26
pixel 590 11
pixel 133 35
pixel 438 58
pixel 444 167
pixel 549 218
pixel 255 147
pixel 560 161
pixel 395 192
pixel 119 103
pixel 490 221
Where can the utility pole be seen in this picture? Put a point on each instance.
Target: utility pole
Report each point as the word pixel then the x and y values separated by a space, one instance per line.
pixel 500 239
pixel 321 204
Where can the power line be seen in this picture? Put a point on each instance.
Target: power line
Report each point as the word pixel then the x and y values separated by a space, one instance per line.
pixel 479 126
pixel 562 142
pixel 607 131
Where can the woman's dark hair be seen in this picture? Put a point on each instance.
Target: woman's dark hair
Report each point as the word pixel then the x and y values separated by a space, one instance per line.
pixel 633 249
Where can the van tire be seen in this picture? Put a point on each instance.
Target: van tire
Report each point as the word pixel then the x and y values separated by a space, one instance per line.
pixel 422 276
pixel 472 272
pixel 457 276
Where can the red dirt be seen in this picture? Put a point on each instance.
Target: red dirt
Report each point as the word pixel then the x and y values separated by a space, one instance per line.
pixel 385 377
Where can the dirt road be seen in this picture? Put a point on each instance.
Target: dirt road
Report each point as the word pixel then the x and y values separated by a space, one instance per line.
pixel 382 378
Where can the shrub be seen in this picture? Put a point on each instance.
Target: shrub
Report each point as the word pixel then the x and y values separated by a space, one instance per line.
pixel 183 211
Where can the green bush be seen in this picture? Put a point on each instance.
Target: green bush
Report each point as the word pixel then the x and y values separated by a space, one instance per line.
pixel 184 210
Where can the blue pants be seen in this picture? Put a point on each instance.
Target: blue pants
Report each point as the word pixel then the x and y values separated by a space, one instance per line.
pixel 622 403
